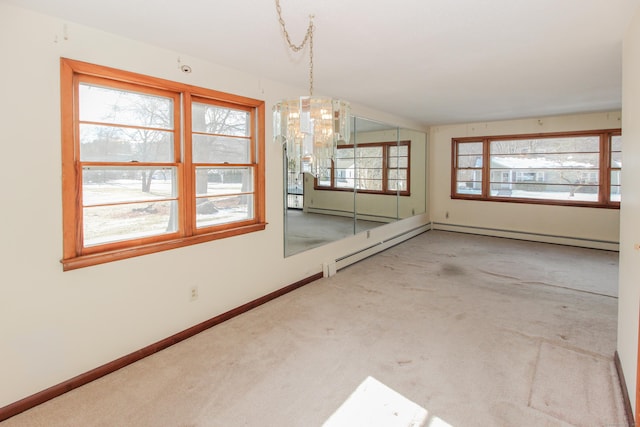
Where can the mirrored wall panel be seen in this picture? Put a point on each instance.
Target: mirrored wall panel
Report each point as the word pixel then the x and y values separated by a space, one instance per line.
pixel 378 176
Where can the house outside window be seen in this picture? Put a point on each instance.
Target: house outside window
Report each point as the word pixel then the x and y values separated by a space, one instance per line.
pixel 579 169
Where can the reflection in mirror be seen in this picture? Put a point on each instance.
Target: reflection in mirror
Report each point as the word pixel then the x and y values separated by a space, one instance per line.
pixel 377 177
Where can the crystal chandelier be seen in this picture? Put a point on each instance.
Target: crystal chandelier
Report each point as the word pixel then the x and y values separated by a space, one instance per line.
pixel 310 126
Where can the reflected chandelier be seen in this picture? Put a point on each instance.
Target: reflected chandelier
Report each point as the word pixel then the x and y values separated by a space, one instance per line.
pixel 311 126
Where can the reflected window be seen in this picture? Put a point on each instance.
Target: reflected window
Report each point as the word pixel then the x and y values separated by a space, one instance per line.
pixel 378 168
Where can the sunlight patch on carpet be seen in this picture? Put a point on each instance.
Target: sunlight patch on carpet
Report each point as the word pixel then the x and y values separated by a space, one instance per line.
pixel 373 404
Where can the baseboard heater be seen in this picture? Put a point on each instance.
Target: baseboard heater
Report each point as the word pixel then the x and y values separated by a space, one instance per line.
pixel 530 236
pixel 346 260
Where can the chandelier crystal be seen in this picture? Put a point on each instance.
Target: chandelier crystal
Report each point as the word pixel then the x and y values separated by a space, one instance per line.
pixel 310 127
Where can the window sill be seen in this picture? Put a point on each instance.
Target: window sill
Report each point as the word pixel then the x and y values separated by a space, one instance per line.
pixel 611 205
pixel 119 254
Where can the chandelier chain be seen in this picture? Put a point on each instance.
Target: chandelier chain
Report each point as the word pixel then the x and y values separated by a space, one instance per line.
pixel 308 37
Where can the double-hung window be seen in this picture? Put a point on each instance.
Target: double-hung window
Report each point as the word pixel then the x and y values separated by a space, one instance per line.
pixel 150 164
pixel 377 168
pixel 578 168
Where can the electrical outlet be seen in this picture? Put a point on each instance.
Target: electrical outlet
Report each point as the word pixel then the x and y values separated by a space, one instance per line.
pixel 194 293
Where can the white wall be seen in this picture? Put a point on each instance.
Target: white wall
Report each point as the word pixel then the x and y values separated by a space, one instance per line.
pixel 55 325
pixel 629 277
pixel 580 226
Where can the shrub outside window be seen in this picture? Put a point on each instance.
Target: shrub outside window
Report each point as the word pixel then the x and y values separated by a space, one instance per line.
pixel 578 169
pixel 150 165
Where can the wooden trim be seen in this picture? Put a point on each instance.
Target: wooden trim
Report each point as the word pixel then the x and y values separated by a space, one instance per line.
pixel 69 198
pixel 538 135
pixel 163 84
pixel 604 168
pixel 119 254
pixel 385 170
pixel 261 188
pixel 85 378
pixel 623 387
pixel 75 254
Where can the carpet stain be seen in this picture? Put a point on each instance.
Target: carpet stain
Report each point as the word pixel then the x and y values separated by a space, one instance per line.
pixel 452 270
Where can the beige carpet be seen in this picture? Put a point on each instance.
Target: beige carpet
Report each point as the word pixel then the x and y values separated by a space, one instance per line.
pixel 477 331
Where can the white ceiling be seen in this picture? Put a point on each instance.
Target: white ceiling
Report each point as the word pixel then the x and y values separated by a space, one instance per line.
pixel 431 61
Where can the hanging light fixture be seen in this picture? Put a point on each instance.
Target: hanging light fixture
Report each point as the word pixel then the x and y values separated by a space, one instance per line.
pixel 310 126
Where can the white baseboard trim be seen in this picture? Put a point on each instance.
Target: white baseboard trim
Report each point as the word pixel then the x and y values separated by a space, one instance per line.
pixel 349 214
pixel 352 258
pixel 525 235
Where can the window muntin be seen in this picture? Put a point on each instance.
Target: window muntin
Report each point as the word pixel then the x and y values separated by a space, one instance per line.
pixel 468 159
pixel 222 152
pixel 379 168
pixel 615 167
pixel 117 207
pixel 135 183
pixel 574 169
pixel 398 168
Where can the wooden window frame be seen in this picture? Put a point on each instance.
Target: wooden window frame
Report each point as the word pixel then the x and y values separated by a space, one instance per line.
pixel 604 169
pixel 75 253
pixel 385 170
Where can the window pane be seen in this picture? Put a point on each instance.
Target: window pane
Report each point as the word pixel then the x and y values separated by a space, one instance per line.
pixel 615 193
pixel 105 185
pixel 100 143
pixel 116 106
pixel 576 193
pixel 539 161
pixel 395 185
pixel 395 162
pixel 398 174
pixel 223 209
pixel 369 163
pixel 323 178
pixel 470 161
pixel 615 177
pixel 105 224
pixel 616 143
pixel 546 176
pixel 223 181
pixel 615 186
pixel 220 149
pixel 584 144
pixel 466 148
pixel 369 184
pixel 398 151
pixel 369 152
pixel 344 177
pixel 369 173
pixel 219 120
pixel 345 153
pixel 469 187
pixel 616 159
pixel 469 175
pixel 397 180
